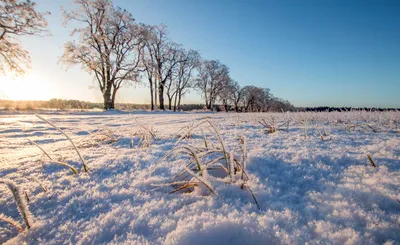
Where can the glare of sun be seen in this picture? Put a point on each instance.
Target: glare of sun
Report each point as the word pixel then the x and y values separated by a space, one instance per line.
pixel 31 86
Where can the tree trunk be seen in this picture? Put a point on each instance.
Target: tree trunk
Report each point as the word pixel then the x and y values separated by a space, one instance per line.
pixel 211 104
pixel 236 107
pixel 114 95
pixel 176 97
pixel 107 100
pixel 161 95
pixel 208 104
pixel 246 107
pixel 155 94
pixel 179 100
pixel 151 94
pixel 170 102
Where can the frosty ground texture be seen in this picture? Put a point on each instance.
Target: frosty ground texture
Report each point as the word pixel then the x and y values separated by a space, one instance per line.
pixel 312 179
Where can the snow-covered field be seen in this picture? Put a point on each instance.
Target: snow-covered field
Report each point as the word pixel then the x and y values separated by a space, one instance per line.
pixel 312 179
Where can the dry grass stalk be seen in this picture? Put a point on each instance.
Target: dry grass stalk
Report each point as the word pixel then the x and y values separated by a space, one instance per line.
pixel 371 161
pixel 12 222
pixel 105 136
pixel 272 126
pixel 38 146
pixel 183 149
pixel 149 130
pixel 269 127
pixel 232 166
pixel 243 141
pixel 145 135
pixel 85 168
pixel 244 186
pixel 44 189
pixel 74 171
pixel 201 179
pixel 19 199
pixel 51 159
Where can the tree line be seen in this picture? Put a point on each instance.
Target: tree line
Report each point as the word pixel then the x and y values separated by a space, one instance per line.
pixel 62 104
pixel 330 109
pixel 110 45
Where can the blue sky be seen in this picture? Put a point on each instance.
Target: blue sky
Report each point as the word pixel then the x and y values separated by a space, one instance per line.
pixel 335 53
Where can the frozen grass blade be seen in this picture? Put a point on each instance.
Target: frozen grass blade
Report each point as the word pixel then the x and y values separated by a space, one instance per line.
pixel 243 141
pixel 66 165
pixel 221 141
pixel 206 184
pixel 185 149
pixel 371 161
pixel 38 146
pixel 51 159
pixel 144 128
pixel 186 186
pixel 12 222
pixel 44 189
pixel 232 166
pixel 85 168
pixel 204 138
pixel 252 194
pixel 19 199
pixel 145 135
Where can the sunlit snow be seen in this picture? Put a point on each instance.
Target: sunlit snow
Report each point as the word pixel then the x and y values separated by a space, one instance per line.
pixel 312 179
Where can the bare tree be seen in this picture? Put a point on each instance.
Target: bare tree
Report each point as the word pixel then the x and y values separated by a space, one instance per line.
pixel 267 98
pixel 149 62
pixel 109 45
pixel 185 77
pixel 225 95
pixel 171 88
pixel 163 57
pixel 236 95
pixel 182 76
pixel 212 79
pixel 253 98
pixel 277 104
pixel 18 18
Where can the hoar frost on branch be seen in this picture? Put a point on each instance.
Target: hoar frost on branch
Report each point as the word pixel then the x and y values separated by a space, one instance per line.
pixel 18 18
pixel 109 45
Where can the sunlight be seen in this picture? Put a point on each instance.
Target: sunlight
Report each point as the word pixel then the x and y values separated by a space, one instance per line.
pixel 31 86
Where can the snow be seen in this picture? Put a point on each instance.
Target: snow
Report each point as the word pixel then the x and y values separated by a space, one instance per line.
pixel 309 190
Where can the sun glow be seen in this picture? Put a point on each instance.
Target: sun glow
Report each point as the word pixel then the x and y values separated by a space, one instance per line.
pixel 31 86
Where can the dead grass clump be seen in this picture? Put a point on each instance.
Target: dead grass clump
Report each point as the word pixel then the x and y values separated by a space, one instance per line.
pixel 104 136
pixel 213 161
pixel 146 135
pixel 271 126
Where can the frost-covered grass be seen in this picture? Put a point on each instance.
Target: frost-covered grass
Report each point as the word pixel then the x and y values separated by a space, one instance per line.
pixel 311 174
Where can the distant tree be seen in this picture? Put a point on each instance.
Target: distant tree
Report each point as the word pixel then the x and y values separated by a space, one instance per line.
pixel 253 98
pixel 109 45
pixel 171 88
pixel 277 104
pixel 152 41
pixel 225 95
pixel 236 95
pixel 183 77
pixel 213 77
pixel 163 56
pixel 266 99
pixel 18 18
